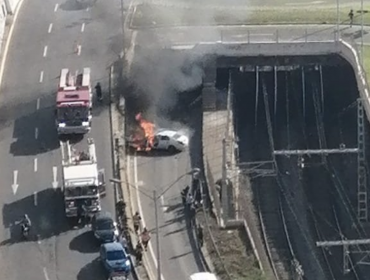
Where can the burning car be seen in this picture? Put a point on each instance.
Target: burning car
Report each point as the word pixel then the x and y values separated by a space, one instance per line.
pixel 147 138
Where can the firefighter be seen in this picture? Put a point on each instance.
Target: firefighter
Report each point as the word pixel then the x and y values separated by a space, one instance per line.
pixel 184 194
pixel 137 219
pixel 98 92
pixel 145 237
pixel 350 15
pixel 138 253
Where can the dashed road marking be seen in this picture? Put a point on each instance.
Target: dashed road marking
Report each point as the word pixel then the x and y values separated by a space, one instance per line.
pixel 78 49
pixel 45 51
pixel 35 198
pixel 46 274
pixel 87 9
pixel 50 27
pixel 38 104
pixel 55 174
pixel 41 76
pixel 165 208
pixel 36 132
pixel 35 165
pixel 15 183
pixel 83 27
pixel 56 7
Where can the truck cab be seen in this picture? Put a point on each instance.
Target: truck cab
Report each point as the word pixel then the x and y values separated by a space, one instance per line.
pixel 74 103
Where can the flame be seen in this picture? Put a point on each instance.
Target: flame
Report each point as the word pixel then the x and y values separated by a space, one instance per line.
pixel 148 129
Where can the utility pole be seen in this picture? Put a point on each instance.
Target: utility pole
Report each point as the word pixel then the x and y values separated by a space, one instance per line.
pixel 362 33
pixel 338 20
pixel 157 236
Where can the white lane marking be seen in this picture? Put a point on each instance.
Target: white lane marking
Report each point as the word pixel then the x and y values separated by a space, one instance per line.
pixel 7 44
pixel 50 27
pixel 41 76
pixel 36 132
pixel 142 213
pixel 15 181
pixel 35 165
pixel 56 7
pixel 45 51
pixel 46 274
pixel 35 198
pixel 78 49
pixel 83 27
pixel 38 104
pixel 87 9
pixel 164 207
pixel 55 173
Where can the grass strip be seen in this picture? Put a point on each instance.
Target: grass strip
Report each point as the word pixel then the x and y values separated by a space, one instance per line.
pixel 366 65
pixel 151 16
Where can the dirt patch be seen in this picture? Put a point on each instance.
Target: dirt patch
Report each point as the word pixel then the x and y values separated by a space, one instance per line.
pixel 237 258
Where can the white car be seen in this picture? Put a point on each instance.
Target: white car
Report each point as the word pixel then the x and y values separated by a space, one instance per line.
pixel 170 140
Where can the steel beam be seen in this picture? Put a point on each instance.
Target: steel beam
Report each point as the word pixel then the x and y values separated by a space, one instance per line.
pixel 342 242
pixel 316 152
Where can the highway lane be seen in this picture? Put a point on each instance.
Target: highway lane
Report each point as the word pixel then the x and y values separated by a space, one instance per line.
pixel 37 53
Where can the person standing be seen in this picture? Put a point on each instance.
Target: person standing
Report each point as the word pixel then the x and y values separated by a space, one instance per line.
pixel 145 237
pixel 137 220
pixel 138 253
pixel 351 15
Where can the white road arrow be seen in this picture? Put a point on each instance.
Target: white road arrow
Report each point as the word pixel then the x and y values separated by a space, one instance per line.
pixel 55 173
pixel 15 184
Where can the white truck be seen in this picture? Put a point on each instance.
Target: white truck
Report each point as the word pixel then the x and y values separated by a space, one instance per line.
pixel 83 182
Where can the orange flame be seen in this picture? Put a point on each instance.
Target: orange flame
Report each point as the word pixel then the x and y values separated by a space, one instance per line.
pixel 148 129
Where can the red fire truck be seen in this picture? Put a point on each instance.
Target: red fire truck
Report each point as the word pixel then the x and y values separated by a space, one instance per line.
pixel 74 103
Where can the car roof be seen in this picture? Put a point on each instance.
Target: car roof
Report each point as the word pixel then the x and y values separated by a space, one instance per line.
pixel 166 132
pixel 203 276
pixel 103 216
pixel 113 246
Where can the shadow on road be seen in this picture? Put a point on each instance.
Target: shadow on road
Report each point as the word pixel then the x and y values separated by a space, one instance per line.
pixel 25 133
pixel 93 270
pixel 84 243
pixel 77 5
pixel 47 218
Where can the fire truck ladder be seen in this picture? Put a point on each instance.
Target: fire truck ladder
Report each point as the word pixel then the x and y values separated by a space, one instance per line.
pixel 70 156
pixel 68 81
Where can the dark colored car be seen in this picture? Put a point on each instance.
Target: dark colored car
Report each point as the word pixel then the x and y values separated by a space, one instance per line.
pixel 115 260
pixel 104 227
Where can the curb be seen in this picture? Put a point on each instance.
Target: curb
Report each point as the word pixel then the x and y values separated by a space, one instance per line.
pixel 118 165
pixel 8 36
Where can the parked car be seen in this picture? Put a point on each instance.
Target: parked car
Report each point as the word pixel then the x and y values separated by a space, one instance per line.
pixel 115 260
pixel 104 227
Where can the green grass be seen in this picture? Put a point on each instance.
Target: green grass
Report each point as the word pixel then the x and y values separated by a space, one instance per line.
pixel 367 62
pixel 150 15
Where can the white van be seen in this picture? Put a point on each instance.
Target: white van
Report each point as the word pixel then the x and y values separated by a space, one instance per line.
pixel 203 276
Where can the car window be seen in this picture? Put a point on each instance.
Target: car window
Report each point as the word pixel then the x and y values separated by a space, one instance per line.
pixel 165 138
pixel 177 136
pixel 115 255
pixel 104 225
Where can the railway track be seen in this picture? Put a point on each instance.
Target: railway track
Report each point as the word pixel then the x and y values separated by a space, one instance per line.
pixel 273 228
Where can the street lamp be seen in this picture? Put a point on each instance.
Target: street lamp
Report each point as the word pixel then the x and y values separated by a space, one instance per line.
pixel 195 172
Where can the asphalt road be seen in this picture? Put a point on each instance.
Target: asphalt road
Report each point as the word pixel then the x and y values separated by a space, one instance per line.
pixel 44 41
pixel 166 174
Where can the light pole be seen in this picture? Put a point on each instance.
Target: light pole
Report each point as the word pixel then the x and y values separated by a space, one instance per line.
pixel 362 33
pixel 338 20
pixel 195 172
